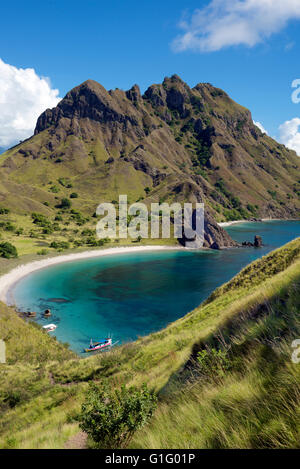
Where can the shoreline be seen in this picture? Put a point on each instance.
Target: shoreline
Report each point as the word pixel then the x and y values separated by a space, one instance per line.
pixel 12 277
pixel 260 220
pixel 9 280
pixel 229 223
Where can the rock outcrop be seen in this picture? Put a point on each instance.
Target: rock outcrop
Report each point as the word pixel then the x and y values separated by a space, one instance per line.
pixel 257 242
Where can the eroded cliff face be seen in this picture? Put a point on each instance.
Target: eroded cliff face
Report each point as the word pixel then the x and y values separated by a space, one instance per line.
pixel 174 143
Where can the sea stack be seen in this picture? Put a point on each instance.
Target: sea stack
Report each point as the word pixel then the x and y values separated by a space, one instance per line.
pixel 258 241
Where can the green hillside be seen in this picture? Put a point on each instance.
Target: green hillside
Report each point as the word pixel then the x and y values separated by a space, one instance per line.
pixel 244 391
pixel 174 143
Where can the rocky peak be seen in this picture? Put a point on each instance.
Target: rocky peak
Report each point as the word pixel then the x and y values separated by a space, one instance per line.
pixel 134 94
pixel 91 100
pixel 156 94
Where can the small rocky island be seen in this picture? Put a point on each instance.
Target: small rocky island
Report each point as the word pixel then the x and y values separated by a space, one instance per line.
pixel 257 242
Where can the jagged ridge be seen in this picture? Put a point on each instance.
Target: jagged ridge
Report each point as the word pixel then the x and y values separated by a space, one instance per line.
pixel 184 144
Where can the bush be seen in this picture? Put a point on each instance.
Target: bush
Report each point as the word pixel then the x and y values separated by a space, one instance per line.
pixel 8 226
pixel 60 245
pixel 111 417
pixel 40 220
pixel 63 181
pixel 74 195
pixel 213 363
pixel 78 217
pixel 48 230
pixel 4 211
pixel 54 189
pixel 7 250
pixel 42 252
pixel 65 203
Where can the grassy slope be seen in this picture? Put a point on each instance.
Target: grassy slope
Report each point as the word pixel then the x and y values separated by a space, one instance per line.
pixel 255 168
pixel 256 404
pixel 31 245
pixel 259 176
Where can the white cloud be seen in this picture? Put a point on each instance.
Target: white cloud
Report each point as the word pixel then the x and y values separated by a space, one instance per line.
pixel 23 97
pixel 289 134
pixel 261 127
pixel 224 23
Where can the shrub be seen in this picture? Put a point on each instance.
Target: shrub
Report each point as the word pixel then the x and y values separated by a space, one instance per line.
pixel 78 242
pixel 65 203
pixel 63 182
pixel 54 189
pixel 74 195
pixel 111 417
pixel 40 220
pixel 78 217
pixel 8 226
pixel 91 241
pixel 48 230
pixel 7 250
pixel 42 252
pixel 213 363
pixel 59 245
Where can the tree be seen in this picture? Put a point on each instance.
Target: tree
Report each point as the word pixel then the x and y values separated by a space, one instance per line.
pixel 65 203
pixel 7 250
pixel 112 416
pixel 4 211
pixel 59 245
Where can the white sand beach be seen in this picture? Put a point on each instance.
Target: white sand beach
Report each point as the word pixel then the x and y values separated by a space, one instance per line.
pixel 228 223
pixel 8 280
pixel 234 222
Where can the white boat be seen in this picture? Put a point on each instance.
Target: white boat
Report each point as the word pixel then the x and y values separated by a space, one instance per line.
pixel 50 327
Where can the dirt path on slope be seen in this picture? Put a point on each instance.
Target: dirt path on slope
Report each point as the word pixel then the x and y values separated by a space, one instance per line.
pixel 77 441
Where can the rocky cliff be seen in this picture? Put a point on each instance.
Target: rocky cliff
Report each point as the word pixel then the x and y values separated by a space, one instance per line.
pixel 173 143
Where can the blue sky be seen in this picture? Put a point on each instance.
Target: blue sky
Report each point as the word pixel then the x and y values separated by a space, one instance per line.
pixel 253 54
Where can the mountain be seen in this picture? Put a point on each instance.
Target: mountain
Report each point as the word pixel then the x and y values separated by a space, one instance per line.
pixel 174 143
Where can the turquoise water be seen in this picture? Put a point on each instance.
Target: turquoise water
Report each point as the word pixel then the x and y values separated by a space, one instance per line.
pixel 131 295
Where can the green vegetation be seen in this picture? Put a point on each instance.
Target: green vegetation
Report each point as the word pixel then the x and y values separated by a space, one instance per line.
pixel 111 417
pixel 223 372
pixel 236 210
pixel 181 136
pixel 209 146
pixel 4 211
pixel 59 245
pixel 65 203
pixel 7 250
